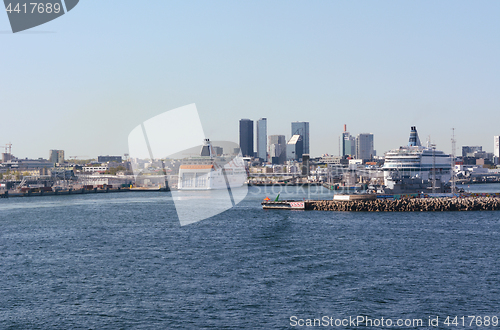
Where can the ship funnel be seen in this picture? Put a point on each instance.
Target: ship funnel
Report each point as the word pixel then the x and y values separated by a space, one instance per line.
pixel 414 140
pixel 206 150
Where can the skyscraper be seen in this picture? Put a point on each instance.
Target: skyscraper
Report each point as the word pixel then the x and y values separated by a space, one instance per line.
pixel 348 143
pixel 302 128
pixel 262 139
pixel 364 146
pixel 294 148
pixel 246 137
pixel 277 149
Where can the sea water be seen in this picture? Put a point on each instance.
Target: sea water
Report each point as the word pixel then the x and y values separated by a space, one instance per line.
pixel 122 261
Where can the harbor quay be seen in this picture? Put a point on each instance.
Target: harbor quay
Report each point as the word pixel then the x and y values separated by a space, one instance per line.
pixel 32 192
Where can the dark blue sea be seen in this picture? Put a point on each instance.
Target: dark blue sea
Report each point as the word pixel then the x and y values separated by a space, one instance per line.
pixel 123 261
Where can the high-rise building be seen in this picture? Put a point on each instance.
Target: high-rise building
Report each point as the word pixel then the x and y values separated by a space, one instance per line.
pixel 348 143
pixel 294 148
pixel 56 156
pixel 246 137
pixel 277 149
pixel 302 128
pixel 468 151
pixel 262 139
pixel 364 146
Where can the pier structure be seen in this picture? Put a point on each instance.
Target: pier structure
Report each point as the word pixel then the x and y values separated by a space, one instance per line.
pixel 474 202
pixel 410 205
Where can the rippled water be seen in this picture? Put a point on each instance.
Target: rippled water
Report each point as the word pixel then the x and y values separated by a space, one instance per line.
pixel 122 261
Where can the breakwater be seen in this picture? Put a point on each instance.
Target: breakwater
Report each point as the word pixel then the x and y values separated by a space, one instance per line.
pixel 409 205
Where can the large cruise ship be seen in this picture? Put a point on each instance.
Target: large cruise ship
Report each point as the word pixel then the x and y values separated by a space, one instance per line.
pixel 209 171
pixel 415 161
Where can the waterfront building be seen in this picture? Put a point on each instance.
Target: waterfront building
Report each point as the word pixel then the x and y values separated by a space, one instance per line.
pixel 105 159
pixel 246 137
pixel 56 156
pixel 338 160
pixel 27 164
pixel 294 148
pixel 277 149
pixel 262 139
pixel 364 146
pixel 302 128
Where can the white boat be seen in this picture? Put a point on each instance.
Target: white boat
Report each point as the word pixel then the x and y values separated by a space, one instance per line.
pixel 415 161
pixel 207 171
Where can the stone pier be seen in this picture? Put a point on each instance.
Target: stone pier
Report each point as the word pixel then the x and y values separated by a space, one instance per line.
pixel 409 205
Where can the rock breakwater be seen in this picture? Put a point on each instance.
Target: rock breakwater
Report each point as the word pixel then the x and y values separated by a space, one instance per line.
pixel 410 205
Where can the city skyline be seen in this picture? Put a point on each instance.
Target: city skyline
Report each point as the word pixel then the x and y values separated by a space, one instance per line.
pixel 251 142
pixel 378 67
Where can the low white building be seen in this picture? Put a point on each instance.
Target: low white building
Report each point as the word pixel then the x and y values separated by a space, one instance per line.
pixel 95 169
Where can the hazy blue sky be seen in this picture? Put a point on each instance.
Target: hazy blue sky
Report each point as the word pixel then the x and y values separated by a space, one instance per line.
pixel 83 81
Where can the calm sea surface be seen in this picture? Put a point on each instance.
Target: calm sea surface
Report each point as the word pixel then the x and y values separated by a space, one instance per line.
pixel 122 261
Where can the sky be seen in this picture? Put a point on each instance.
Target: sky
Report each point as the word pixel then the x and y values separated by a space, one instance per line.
pixel 85 80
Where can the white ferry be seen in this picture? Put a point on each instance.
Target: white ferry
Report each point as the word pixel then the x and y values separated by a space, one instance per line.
pixel 207 171
pixel 417 162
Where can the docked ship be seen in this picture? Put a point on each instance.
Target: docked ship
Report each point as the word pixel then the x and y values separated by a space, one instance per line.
pixel 416 168
pixel 209 171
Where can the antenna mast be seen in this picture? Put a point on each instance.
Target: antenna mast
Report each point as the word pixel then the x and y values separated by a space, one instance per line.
pixel 453 146
pixel 433 168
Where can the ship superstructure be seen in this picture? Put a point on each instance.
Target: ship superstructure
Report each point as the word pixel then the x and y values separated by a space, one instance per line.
pixel 415 161
pixel 208 171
